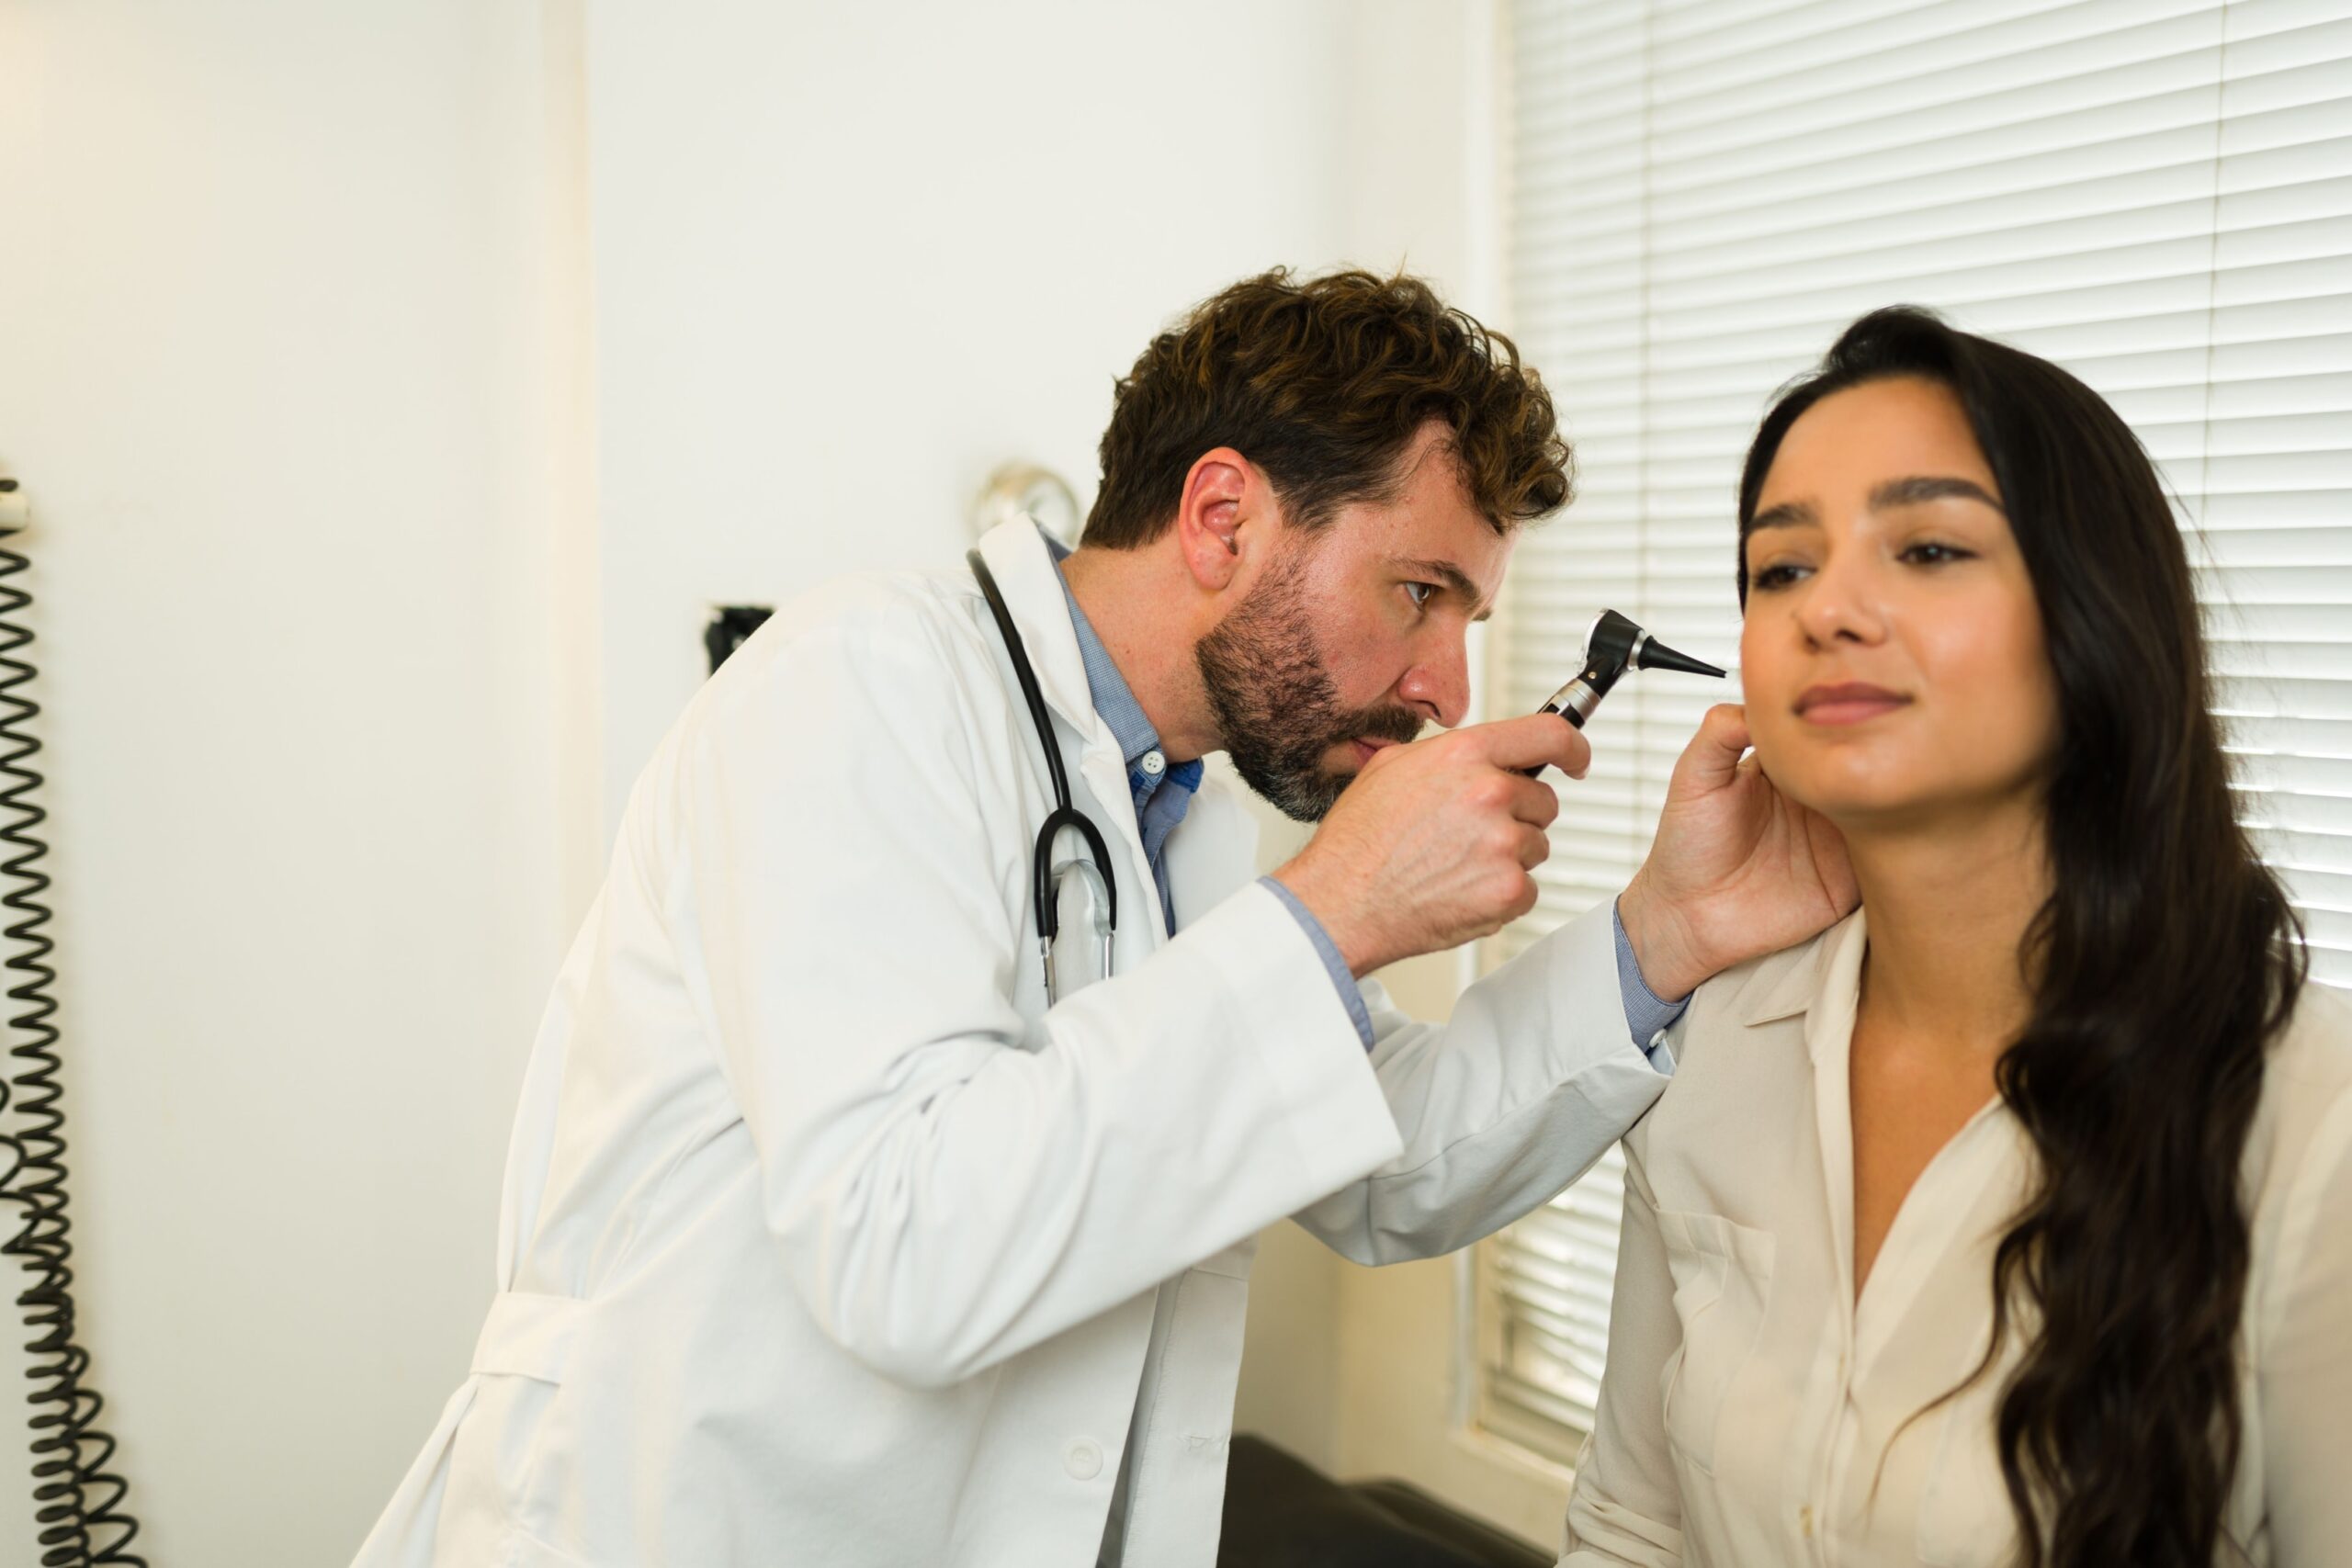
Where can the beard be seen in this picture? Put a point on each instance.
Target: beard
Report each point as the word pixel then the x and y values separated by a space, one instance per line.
pixel 1274 702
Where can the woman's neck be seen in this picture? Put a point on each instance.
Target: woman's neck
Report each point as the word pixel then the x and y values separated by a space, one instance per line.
pixel 1948 909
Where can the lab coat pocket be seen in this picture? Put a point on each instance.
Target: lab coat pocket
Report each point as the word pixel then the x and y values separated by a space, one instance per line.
pixel 1723 1281
pixel 523 1549
pixel 1180 1478
pixel 502 1481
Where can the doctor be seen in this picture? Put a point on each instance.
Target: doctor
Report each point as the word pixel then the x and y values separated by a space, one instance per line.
pixel 827 1237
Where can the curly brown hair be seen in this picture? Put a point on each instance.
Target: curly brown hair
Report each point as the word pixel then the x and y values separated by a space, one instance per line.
pixel 1324 384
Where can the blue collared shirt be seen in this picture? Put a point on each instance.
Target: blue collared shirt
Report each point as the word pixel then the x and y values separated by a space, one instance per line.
pixel 1162 793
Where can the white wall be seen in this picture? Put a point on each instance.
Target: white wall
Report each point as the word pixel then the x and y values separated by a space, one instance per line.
pixel 375 544
pixel 851 258
pixel 282 364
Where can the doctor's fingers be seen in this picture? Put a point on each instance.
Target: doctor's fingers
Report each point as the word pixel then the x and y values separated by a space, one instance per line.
pixel 1535 847
pixel 1531 801
pixel 1499 841
pixel 1533 739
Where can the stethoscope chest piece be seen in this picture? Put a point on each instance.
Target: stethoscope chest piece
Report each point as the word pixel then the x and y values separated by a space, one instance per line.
pixel 1098 904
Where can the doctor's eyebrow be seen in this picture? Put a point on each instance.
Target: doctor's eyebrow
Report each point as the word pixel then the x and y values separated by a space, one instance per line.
pixel 1457 580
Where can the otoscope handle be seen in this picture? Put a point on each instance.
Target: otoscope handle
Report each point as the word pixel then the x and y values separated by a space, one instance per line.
pixel 1611 647
pixel 1573 702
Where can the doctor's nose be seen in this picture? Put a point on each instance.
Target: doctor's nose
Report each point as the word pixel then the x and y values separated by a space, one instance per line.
pixel 1439 688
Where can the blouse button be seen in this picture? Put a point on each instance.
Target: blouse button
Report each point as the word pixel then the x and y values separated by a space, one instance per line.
pixel 1805 1521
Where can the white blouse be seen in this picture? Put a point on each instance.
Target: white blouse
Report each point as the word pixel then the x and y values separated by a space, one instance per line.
pixel 1755 1413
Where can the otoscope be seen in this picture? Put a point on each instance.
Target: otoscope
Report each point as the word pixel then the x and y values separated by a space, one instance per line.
pixel 1612 646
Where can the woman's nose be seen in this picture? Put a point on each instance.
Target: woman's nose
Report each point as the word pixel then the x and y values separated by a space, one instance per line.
pixel 1841 604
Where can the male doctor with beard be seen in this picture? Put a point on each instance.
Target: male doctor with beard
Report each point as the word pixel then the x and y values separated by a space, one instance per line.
pixel 828 1237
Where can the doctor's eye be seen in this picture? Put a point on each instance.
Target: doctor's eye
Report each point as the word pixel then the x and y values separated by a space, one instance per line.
pixel 1779 575
pixel 1419 593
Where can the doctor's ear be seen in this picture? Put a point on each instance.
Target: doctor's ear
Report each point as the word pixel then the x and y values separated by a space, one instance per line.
pixel 1209 516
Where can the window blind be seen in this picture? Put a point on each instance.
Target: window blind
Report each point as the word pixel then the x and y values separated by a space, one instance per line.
pixel 2157 194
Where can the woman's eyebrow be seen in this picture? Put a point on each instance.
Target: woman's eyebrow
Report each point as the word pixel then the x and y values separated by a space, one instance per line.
pixel 1788 514
pixel 1892 493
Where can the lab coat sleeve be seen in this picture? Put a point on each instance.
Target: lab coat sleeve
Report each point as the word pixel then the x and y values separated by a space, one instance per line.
pixel 1531 1081
pixel 948 1183
pixel 1627 1506
pixel 2306 1364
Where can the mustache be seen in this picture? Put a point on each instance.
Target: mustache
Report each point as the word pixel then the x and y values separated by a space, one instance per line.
pixel 1382 723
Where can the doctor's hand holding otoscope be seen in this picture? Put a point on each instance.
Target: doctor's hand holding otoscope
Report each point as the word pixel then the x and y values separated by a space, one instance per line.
pixel 1429 846
pixel 1461 819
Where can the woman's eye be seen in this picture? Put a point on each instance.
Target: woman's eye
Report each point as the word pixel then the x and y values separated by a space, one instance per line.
pixel 1421 593
pixel 1930 554
pixel 1773 577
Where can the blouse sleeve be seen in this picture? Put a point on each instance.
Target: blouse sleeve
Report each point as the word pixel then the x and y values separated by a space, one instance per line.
pixel 2306 1375
pixel 1626 1507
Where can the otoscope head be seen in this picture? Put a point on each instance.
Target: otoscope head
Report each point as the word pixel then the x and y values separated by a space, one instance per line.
pixel 1617 643
pixel 1654 655
pixel 1608 646
pixel 1612 645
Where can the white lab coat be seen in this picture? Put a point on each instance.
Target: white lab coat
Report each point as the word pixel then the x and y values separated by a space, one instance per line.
pixel 825 1241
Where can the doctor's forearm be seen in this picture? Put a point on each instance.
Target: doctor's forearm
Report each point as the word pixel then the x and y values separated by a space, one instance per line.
pixel 1533 1081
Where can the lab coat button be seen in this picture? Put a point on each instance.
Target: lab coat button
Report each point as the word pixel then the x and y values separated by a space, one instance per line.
pixel 1083 1460
pixel 1152 763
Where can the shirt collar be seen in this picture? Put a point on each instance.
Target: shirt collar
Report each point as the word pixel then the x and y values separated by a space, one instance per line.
pixel 1115 700
pixel 1801 979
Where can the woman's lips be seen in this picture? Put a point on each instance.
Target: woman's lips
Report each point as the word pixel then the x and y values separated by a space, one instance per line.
pixel 1849 703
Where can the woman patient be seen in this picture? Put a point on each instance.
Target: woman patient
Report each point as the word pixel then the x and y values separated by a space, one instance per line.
pixel 2010 1219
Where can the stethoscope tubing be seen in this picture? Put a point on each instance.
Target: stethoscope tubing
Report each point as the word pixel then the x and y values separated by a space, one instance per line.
pixel 1065 814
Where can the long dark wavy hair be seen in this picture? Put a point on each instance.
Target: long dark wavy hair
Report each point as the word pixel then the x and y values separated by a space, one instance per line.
pixel 2163 965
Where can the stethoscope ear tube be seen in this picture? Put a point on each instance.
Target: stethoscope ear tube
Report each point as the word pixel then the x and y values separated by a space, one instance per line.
pixel 1023 674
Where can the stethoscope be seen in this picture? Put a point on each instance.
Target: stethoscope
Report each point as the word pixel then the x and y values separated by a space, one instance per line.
pixel 1047 877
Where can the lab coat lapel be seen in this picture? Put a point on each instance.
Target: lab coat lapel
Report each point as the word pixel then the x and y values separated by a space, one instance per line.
pixel 1031 587
pixel 1026 575
pixel 1106 776
pixel 1213 853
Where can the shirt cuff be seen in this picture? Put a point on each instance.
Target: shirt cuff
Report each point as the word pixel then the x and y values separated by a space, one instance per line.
pixel 1645 1014
pixel 1350 994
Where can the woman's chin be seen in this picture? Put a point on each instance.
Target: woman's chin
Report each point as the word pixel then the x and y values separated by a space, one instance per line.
pixel 1845 790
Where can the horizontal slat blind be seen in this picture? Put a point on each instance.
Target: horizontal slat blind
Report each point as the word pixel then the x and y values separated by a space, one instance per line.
pixel 2155 193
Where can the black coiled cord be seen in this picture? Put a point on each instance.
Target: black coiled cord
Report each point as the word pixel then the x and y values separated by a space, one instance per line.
pixel 77 1502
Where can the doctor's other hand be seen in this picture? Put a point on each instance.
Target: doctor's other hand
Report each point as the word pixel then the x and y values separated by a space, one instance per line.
pixel 1431 845
pixel 1738 869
